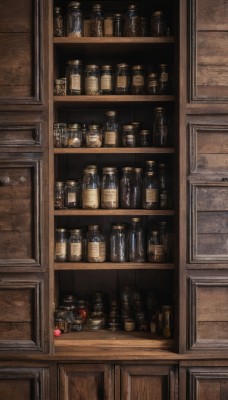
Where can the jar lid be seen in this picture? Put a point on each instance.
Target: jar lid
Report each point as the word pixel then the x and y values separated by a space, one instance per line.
pixel 71 182
pixel 74 62
pixel 59 184
pixel 109 170
pixel 90 171
pixel 78 321
pixel 162 223
pixel 154 232
pixel 127 127
pixel 94 227
pixel 157 13
pixel 127 169
pixel 132 7
pixel 111 113
pixel 118 15
pixel 161 165
pixel 75 230
pixel 106 67
pixel 150 173
pixel 92 66
pixel 57 9
pixel 135 219
pixel 59 81
pixel 94 126
pixel 138 170
pixel 69 298
pixel 153 75
pixel 91 166
pixel 151 162
pixel 118 227
pixel 74 126
pixel 97 7
pixel 144 132
pixel 159 109
pixel 61 230
pixel 123 65
pixel 137 67
pixel 163 65
pixel 74 4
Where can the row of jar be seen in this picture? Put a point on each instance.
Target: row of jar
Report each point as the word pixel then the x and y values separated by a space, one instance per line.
pixel 122 244
pixel 133 189
pixel 123 79
pixel 99 24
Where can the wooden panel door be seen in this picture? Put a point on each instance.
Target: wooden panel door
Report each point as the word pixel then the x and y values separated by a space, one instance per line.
pixel 208 383
pixel 83 382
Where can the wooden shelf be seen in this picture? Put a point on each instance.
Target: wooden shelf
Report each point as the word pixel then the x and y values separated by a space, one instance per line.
pixel 83 99
pixel 71 266
pixel 115 150
pixel 101 212
pixel 121 41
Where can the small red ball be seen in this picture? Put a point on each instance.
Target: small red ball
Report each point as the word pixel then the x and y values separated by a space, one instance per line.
pixel 57 332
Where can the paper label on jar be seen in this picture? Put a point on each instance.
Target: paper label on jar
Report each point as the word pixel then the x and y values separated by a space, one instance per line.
pixel 60 248
pixel 164 77
pixel 76 249
pixel 108 27
pixel 90 198
pixel 106 82
pixel 121 82
pixel 102 250
pixel 110 137
pixel 138 80
pixel 71 197
pixel 109 195
pixel 93 249
pixel 75 82
pixel 93 140
pixel 157 252
pixel 91 84
pixel 151 195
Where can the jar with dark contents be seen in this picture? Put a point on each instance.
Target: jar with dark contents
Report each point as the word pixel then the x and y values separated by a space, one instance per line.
pixel 92 80
pixel 155 250
pixel 74 135
pixel 96 245
pixel 122 79
pixel 158 24
pixel 144 27
pixel 94 135
pixel 164 200
pixel 106 79
pixel 163 79
pixel 145 138
pixel 58 22
pixel 150 192
pixel 75 245
pixel 59 195
pixel 160 127
pixel 109 189
pixel 73 194
pixel 74 73
pixel 152 83
pixel 126 187
pixel 132 21
pixel 97 21
pixel 77 324
pixel 90 189
pixel 118 247
pixel 118 25
pixel 128 136
pixel 74 20
pixel 60 135
pixel 82 310
pixel 61 245
pixel 111 129
pixel 60 87
pixel 166 239
pixel 138 80
pixel 167 321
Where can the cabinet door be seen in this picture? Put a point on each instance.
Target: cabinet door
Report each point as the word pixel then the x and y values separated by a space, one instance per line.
pixel 83 382
pixel 148 383
pixel 208 383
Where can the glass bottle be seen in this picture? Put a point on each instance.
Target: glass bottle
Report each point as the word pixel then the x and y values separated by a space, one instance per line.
pixel 96 245
pixel 60 87
pixel 128 136
pixel 132 21
pixel 118 25
pixel 136 188
pixel 163 79
pixel 136 242
pixel 60 135
pixel 97 21
pixel 126 187
pixel 152 83
pixel 167 321
pixel 58 23
pixel 118 248
pixel 155 250
pixel 160 127
pixel 109 189
pixel 74 77
pixel 158 24
pixel 150 192
pixel 122 79
pixel 75 245
pixel 144 138
pixel 164 196
pixel 90 189
pixel 138 80
pixel 74 20
pixel 111 129
pixel 108 26
pixel 59 195
pixel 144 26
pixel 166 239
pixel 74 135
pixel 151 165
pixel 94 135
pixel 106 79
pixel 73 194
pixel 61 245
pixel 92 80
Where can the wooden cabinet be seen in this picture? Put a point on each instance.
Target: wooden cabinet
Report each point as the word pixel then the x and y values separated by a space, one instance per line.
pixel 208 383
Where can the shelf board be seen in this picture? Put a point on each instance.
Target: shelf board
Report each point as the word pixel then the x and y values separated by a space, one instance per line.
pixel 101 212
pixel 121 41
pixel 71 266
pixel 115 150
pixel 83 99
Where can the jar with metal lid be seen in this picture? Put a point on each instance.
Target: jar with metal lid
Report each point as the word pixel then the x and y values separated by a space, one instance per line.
pixel 58 22
pixel 97 21
pixel 136 242
pixel 164 201
pixel 60 135
pixel 94 135
pixel 158 24
pixel 118 25
pixel 74 73
pixel 74 135
pixel 111 129
pixel 144 138
pixel 90 189
pixel 167 321
pixel 132 21
pixel 60 320
pixel 74 20
pixel 109 188
pixel 122 79
pixel 136 126
pixel 61 245
pixel 155 250
pixel 92 80
pixel 96 245
pixel 75 245
pixel 138 80
pixel 60 87
pixel 118 248
pixel 144 27
pixel 126 187
pixel 69 316
pixel 151 165
pixel 77 324
pixel 166 239
pixel 163 79
pixel 152 83
pixel 128 136
pixel 160 127
pixel 73 194
pixel 150 192
pixel 59 195
pixel 136 188
pixel 106 79
pixel 108 26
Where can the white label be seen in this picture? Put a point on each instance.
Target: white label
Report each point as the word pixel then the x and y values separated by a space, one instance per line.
pixel 106 82
pixel 164 77
pixel 108 27
pixel 110 137
pixel 60 249
pixel 76 249
pixel 90 198
pixel 151 195
pixel 138 80
pixel 93 249
pixel 75 82
pixel 71 198
pixel 109 195
pixel 121 82
pixel 157 252
pixel 92 84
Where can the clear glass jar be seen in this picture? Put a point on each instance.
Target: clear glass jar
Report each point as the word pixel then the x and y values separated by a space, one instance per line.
pixel 144 27
pixel 60 87
pixel 109 189
pixel 118 25
pixel 108 26
pixel 74 20
pixel 136 242
pixel 59 195
pixel 75 245
pixel 118 248
pixel 155 250
pixel 74 135
pixel 158 24
pixel 164 197
pixel 60 135
pixel 73 194
pixel 61 245
pixel 96 245
pixel 163 79
pixel 136 188
pixel 144 138
pixel 106 79
pixel 160 127
pixel 138 80
pixel 132 21
pixel 166 239
pixel 128 136
pixel 92 80
pixel 150 192
pixel 74 74
pixel 90 189
pixel 167 321
pixel 111 129
pixel 58 22
pixel 97 21
pixel 152 83
pixel 122 79
pixel 126 183
pixel 94 135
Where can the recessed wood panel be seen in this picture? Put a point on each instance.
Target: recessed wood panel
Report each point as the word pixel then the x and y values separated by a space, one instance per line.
pixel 20 135
pixel 208 313
pixel 208 383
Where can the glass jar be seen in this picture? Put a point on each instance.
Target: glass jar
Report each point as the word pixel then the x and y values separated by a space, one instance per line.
pixel 152 83
pixel 122 79
pixel 59 195
pixel 136 242
pixel 96 245
pixel 150 192
pixel 73 194
pixel 74 20
pixel 111 129
pixel 163 79
pixel 158 24
pixel 167 321
pixel 108 26
pixel 144 26
pixel 61 245
pixel 132 21
pixel 144 138
pixel 160 127
pixel 97 21
pixel 60 87
pixel 94 135
pixel 164 198
pixel 75 245
pixel 138 80
pixel 82 310
pixel 77 324
pixel 166 239
pixel 136 188
pixel 58 23
pixel 74 77
pixel 60 135
pixel 109 189
pixel 92 80
pixel 118 25
pixel 126 183
pixel 74 135
pixel 106 79
pixel 90 189
pixel 155 250
pixel 136 126
pixel 151 165
pixel 128 136
pixel 118 249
